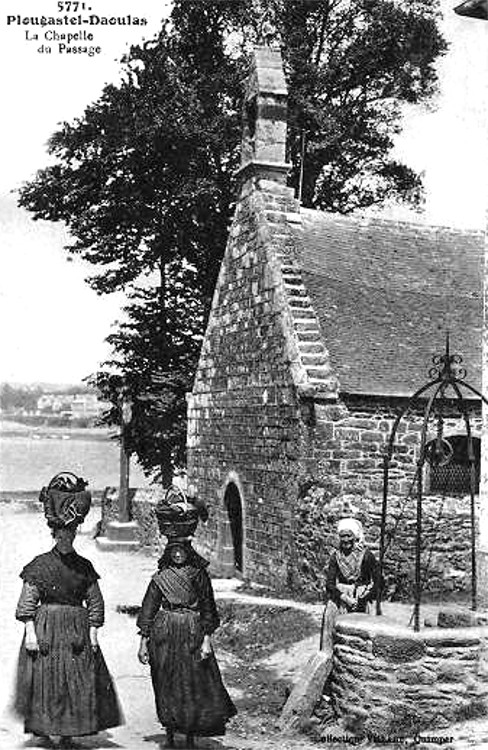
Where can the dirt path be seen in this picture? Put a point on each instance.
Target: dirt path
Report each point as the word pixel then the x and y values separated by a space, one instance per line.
pixel 124 579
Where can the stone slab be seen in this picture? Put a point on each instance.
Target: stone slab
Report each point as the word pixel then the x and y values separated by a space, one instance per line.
pixel 121 531
pixel 307 691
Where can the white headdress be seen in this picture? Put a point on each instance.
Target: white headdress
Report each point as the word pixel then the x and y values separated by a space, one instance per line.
pixel 352 525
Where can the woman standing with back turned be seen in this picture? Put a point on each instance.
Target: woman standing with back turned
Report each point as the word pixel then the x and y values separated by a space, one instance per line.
pixel 63 686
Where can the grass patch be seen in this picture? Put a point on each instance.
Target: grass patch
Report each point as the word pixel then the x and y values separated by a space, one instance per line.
pixel 254 631
pixel 251 632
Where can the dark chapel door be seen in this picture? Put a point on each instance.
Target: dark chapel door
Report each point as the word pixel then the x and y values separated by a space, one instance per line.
pixel 233 504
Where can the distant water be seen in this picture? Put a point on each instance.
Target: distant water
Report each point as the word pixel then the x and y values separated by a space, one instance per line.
pixel 29 458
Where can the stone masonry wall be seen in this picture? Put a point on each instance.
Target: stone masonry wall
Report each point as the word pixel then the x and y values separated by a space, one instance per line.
pixel 346 442
pixel 388 681
pixel 343 474
pixel 243 415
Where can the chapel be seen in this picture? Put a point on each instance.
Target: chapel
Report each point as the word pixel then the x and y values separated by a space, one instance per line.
pixel 321 326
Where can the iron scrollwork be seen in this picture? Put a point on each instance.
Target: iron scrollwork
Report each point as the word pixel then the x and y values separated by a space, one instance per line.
pixel 447 366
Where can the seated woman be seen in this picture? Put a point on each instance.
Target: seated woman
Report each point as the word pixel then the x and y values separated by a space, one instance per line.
pixel 352 576
pixel 353 570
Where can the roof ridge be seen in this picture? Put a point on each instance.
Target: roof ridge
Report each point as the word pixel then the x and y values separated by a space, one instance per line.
pixel 387 220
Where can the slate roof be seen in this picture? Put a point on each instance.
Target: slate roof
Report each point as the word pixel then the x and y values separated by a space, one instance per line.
pixel 386 292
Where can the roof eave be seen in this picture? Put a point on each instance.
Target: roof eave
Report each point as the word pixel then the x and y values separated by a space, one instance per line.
pixel 473 9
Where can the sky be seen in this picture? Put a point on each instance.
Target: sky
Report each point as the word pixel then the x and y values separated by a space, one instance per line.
pixel 53 325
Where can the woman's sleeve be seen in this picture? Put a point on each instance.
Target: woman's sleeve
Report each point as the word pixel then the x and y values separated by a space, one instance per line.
pixel 95 605
pixel 331 589
pixel 209 616
pixel 28 602
pixel 369 574
pixel 149 609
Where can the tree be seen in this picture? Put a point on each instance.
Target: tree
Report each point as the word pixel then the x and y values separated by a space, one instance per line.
pixel 144 180
pixel 351 65
pixel 144 176
pixel 156 368
pixel 16 398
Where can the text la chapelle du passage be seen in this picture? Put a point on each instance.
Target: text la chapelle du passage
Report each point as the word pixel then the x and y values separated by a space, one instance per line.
pixel 71 30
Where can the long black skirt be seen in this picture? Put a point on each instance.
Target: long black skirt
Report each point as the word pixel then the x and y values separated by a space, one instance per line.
pixel 65 688
pixel 189 692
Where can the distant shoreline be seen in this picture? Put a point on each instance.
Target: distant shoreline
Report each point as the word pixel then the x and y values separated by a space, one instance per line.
pixel 29 496
pixel 31 455
pixel 17 429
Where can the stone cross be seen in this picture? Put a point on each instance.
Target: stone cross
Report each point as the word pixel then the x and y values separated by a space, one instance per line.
pixel 266 23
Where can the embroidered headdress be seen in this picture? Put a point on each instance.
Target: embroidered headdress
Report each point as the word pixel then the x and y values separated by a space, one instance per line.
pixel 65 500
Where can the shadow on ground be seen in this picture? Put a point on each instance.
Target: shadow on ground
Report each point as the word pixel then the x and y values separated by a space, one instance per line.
pixel 203 743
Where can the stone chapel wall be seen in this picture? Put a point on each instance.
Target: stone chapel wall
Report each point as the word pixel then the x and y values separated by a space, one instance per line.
pixel 243 417
pixel 343 468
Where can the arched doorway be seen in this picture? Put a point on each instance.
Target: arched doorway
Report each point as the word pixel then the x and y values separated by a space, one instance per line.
pixel 233 505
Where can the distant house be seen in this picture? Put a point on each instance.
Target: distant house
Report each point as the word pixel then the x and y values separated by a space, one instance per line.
pixel 49 403
pixel 72 405
pixel 321 325
pixel 87 405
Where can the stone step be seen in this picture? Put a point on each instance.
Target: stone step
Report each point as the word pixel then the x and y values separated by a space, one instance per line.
pixel 300 313
pixel 316 374
pixel 116 545
pixel 299 302
pixel 284 255
pixel 121 531
pixel 315 359
pixel 296 291
pixel 311 347
pixel 307 325
pixel 292 279
pixel 311 335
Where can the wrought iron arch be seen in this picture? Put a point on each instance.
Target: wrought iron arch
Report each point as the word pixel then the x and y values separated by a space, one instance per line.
pixel 447 376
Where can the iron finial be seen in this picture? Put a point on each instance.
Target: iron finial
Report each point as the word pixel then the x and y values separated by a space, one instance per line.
pixel 445 365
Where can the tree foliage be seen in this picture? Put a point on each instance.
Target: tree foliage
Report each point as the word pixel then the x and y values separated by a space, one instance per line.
pixel 145 181
pixel 16 398
pixel 157 364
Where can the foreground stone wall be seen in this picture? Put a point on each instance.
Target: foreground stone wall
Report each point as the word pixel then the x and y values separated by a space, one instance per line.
pixel 390 681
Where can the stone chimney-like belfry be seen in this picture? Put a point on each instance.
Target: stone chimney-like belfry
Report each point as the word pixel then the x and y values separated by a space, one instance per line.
pixel 265 117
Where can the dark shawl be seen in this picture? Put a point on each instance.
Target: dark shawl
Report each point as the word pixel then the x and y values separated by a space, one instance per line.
pixel 60 578
pixel 365 576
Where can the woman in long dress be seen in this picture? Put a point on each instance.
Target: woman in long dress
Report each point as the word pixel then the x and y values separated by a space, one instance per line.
pixel 352 574
pixel 352 577
pixel 177 618
pixel 63 686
